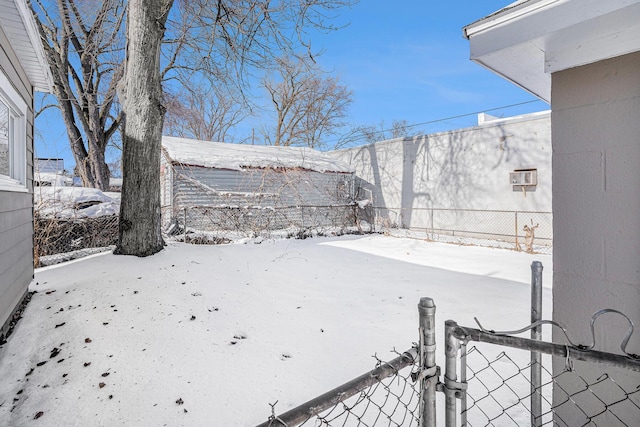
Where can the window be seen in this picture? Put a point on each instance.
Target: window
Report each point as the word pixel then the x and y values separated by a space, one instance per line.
pixel 13 146
pixel 6 134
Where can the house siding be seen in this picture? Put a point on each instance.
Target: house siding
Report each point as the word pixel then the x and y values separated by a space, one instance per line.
pixel 16 208
pixel 596 188
pixel 596 166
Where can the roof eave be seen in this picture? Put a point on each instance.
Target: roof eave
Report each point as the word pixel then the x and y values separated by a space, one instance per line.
pixel 32 58
pixel 529 40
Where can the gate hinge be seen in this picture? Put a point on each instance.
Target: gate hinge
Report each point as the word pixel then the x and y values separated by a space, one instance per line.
pixel 458 388
pixel 433 372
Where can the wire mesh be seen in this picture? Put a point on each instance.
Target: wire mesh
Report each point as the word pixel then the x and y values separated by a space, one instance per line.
pixel 229 222
pixel 54 236
pixel 519 230
pixel 387 401
pixel 256 202
pixel 499 392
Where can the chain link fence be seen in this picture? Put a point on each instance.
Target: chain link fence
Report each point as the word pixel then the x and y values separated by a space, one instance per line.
pixel 70 222
pixel 579 386
pixel 387 395
pixel 519 230
pixel 225 223
pixel 400 392
pixel 501 380
pixel 499 391
pixel 522 231
pixel 60 239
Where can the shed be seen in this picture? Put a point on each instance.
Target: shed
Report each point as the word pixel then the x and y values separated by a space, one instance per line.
pixel 49 165
pixel 23 70
pixel 214 186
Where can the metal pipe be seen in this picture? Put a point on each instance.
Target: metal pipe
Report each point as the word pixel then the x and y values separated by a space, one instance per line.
pixel 463 380
pixel 516 224
pixel 323 402
pixel 185 225
pixel 562 350
pixel 536 334
pixel 452 344
pixel 427 312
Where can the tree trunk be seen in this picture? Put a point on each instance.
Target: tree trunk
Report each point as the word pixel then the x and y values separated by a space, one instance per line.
pixel 141 96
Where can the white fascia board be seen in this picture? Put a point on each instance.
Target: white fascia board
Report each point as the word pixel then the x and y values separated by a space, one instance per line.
pixel 510 13
pixel 43 81
pixel 533 19
pixel 526 42
pixel 619 35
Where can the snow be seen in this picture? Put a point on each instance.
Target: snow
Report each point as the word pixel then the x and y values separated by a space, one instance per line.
pixel 237 157
pixel 55 179
pixel 75 202
pixel 229 329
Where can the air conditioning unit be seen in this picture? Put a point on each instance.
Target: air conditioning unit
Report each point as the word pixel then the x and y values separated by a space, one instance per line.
pixel 524 179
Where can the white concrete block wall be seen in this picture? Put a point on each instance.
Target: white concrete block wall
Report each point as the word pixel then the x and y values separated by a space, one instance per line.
pixel 462 169
pixel 596 167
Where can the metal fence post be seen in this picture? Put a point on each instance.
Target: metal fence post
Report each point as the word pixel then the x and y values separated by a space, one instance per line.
pixel 430 373
pixel 185 225
pixel 536 334
pixel 432 233
pixel 463 381
pixel 516 230
pixel 450 373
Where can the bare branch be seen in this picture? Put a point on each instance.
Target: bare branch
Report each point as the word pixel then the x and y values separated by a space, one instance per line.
pixel 308 107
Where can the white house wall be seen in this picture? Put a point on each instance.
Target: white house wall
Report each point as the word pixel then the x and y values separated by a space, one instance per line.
pixel 16 208
pixel 596 188
pixel 463 169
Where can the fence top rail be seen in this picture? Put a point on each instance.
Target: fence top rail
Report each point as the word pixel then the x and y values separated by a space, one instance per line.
pixel 563 350
pixel 259 207
pixel 460 210
pixel 316 406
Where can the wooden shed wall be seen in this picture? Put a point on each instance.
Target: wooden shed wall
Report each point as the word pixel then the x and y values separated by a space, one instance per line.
pixel 198 186
pixel 254 199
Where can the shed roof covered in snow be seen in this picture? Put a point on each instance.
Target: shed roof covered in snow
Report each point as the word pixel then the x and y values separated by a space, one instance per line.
pixel 238 157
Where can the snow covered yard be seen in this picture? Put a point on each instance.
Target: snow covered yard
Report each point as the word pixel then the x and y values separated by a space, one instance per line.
pixel 210 335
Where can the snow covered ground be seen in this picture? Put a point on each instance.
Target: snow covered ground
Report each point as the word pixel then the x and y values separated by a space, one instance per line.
pixel 210 335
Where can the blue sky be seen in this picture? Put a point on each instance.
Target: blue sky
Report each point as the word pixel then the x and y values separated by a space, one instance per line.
pixel 411 62
pixel 406 61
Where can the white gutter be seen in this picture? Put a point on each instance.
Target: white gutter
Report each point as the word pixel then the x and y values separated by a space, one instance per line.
pixel 510 13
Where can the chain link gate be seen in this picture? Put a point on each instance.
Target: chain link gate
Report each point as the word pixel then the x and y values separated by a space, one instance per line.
pixel 485 389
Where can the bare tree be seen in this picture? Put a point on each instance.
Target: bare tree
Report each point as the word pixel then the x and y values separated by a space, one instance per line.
pixel 381 132
pixel 231 33
pixel 221 40
pixel 308 107
pixel 143 109
pixel 81 42
pixel 208 116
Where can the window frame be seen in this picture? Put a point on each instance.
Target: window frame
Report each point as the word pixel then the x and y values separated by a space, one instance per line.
pixel 17 179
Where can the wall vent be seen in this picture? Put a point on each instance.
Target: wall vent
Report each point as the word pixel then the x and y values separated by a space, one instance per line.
pixel 524 179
